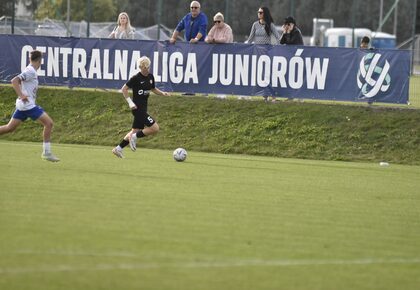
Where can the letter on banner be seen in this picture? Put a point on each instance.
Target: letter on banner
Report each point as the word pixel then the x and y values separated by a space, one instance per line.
pixel 279 74
pixel 24 60
pixel 175 67
pixel 120 65
pixel 215 66
pixel 53 62
pixel 191 69
pixel 314 73
pixel 79 63
pixel 241 70
pixel 65 51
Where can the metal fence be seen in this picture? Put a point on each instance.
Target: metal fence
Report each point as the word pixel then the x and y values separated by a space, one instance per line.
pixel 50 27
pixel 414 92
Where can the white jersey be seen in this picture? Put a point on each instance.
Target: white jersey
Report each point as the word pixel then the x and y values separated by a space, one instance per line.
pixel 29 81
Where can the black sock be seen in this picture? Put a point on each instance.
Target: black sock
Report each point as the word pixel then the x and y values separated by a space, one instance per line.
pixel 123 143
pixel 140 134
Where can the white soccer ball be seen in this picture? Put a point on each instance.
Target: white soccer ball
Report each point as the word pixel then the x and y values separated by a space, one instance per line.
pixel 180 154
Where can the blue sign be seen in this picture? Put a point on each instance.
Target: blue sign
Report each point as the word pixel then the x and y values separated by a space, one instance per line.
pixel 344 74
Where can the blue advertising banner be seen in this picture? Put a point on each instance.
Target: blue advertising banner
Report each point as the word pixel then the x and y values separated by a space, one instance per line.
pixel 343 74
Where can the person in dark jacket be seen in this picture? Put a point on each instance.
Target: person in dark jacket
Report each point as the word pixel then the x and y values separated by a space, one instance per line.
pixel 291 33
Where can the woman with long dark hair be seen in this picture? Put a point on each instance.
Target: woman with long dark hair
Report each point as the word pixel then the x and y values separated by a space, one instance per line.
pixel 263 30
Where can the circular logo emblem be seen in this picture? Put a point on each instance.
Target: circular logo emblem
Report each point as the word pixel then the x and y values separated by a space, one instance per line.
pixel 372 77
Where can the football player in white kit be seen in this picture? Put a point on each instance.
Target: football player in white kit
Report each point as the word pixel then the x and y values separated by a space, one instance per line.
pixel 26 86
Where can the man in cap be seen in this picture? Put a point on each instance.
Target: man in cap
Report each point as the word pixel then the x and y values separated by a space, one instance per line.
pixel 291 33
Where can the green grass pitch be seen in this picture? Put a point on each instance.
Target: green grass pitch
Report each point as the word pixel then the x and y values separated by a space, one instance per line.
pixel 235 222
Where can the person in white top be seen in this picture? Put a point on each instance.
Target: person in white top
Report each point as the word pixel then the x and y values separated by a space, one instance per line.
pixel 123 30
pixel 26 87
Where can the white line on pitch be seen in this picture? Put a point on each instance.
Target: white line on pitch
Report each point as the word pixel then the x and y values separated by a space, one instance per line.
pixel 206 264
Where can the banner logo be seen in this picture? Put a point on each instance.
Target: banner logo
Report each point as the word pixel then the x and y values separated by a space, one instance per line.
pixel 371 78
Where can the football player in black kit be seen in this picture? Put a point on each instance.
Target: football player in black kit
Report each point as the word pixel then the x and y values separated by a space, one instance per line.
pixel 143 124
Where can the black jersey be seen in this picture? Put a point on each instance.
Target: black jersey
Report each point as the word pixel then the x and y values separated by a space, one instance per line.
pixel 141 85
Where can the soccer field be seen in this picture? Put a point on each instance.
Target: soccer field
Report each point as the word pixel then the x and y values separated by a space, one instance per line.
pixel 93 221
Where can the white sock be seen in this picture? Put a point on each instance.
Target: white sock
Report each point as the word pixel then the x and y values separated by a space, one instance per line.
pixel 46 147
pixel 119 148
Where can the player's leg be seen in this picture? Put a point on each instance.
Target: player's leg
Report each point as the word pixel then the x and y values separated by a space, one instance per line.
pixel 136 126
pixel 149 127
pixel 132 138
pixel 11 126
pixel 48 124
pixel 118 150
pixel 127 138
pixel 151 130
pixel 133 131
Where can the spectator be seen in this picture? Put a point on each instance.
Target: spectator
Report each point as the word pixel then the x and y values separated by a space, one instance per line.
pixel 263 30
pixel 194 23
pixel 220 32
pixel 123 30
pixel 26 86
pixel 291 33
pixel 364 44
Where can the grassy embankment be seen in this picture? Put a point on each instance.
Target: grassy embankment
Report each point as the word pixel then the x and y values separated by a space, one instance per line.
pixel 287 129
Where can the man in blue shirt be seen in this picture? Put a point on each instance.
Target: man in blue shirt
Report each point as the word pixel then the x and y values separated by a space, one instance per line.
pixel 194 23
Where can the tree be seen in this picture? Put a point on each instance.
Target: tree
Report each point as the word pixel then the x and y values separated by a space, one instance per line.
pixel 31 5
pixel 6 7
pixel 103 10
pixel 48 9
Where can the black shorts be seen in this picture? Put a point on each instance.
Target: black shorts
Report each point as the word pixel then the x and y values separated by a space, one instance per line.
pixel 141 119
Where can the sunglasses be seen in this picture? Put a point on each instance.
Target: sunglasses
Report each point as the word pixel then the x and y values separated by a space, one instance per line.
pixel 217 21
pixel 260 12
pixel 194 7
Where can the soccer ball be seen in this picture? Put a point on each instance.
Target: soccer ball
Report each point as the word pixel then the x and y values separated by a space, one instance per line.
pixel 180 154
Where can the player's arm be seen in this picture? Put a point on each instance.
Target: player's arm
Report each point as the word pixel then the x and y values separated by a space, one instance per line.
pixel 126 95
pixel 16 83
pixel 159 92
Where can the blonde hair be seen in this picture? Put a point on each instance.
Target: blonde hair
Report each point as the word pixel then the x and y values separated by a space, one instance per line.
pixel 143 61
pixel 128 28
